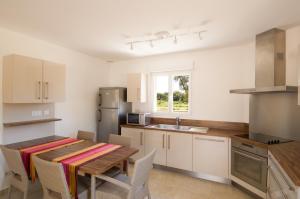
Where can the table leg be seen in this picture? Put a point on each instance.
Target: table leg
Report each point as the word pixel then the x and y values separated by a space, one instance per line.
pixel 93 187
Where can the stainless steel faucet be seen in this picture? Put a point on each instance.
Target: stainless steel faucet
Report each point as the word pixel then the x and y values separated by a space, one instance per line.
pixel 177 122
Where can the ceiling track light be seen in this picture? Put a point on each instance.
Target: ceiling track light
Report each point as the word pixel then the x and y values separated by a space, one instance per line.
pixel 164 35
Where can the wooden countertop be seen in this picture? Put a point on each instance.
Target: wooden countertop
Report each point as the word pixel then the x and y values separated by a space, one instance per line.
pixel 288 156
pixel 211 131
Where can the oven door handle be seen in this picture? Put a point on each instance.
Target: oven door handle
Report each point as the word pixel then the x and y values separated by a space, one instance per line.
pixel 249 156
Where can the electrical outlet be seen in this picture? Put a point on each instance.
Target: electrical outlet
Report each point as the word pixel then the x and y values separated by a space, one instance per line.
pixel 36 113
pixel 47 112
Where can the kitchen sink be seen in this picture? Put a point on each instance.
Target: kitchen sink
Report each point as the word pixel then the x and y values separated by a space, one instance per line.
pixel 195 129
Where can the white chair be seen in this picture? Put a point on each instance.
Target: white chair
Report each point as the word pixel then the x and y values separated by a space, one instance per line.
pixel 124 187
pixel 86 135
pixel 120 140
pixel 54 182
pixel 19 178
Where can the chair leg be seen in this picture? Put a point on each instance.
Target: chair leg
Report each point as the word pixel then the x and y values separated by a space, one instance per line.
pixel 149 196
pixel 9 192
pixel 25 193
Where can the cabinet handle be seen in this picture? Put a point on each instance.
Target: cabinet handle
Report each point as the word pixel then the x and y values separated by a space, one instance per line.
pixel 39 89
pixel 47 85
pixel 169 141
pixel 291 188
pixel 141 138
pixel 163 142
pixel 208 139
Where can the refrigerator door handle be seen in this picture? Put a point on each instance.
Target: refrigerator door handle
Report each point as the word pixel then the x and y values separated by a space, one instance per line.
pixel 99 115
pixel 100 99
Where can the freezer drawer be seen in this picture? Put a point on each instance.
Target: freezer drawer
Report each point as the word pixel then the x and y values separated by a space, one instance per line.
pixel 108 122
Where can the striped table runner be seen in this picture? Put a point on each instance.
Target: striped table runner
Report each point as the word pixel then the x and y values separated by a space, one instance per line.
pixel 27 152
pixel 71 162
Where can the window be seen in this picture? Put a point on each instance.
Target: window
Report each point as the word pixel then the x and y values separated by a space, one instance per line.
pixel 171 92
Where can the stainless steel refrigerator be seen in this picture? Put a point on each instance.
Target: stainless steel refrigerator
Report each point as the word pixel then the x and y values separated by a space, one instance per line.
pixel 112 110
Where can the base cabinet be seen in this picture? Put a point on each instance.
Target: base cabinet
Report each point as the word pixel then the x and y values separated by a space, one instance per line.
pixel 211 155
pixel 157 140
pixel 180 150
pixel 137 140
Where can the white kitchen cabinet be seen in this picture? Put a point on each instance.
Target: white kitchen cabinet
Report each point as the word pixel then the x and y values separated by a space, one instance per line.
pixel 137 140
pixel 136 87
pixel 180 150
pixel 211 155
pixel 30 80
pixel 155 139
pixel 279 184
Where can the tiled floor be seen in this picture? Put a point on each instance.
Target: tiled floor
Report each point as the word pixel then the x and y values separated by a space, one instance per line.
pixel 170 185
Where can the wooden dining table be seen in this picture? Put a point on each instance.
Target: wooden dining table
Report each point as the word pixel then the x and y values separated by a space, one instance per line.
pixel 93 168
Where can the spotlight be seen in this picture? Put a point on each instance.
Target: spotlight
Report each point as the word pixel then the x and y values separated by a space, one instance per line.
pixel 151 44
pixel 200 36
pixel 131 46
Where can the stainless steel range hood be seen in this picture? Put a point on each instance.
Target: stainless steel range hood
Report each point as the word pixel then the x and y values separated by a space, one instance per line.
pixel 270 66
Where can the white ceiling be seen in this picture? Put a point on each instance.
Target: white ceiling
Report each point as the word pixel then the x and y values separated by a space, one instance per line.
pixel 102 27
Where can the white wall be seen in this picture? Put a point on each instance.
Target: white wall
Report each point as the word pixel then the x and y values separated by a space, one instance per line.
pixel 215 72
pixel 84 75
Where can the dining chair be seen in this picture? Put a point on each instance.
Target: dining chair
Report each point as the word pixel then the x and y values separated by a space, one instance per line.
pixel 54 182
pixel 86 135
pixel 124 187
pixel 19 178
pixel 120 140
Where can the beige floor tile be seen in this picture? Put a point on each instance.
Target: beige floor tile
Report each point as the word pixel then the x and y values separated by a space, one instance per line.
pixel 170 185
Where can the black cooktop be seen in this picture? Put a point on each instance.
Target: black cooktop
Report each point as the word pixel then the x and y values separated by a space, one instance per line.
pixel 263 138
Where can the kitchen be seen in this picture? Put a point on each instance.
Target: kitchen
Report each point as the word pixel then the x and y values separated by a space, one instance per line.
pixel 200 135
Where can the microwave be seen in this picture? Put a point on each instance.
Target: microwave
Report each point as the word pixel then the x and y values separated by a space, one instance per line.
pixel 142 119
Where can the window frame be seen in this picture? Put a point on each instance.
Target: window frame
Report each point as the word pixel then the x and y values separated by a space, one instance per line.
pixel 170 75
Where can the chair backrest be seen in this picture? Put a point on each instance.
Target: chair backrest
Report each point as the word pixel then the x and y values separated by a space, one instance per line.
pixel 15 164
pixel 52 178
pixel 120 140
pixel 85 135
pixel 142 169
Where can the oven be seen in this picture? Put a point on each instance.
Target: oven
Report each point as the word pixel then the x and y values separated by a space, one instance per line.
pixel 249 163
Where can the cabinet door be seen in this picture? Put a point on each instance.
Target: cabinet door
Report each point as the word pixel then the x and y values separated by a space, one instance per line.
pixel 180 150
pixel 136 87
pixel 22 79
pixel 53 82
pixel 156 140
pixel 137 140
pixel 211 155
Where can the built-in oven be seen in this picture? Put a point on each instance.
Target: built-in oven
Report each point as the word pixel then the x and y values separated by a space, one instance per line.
pixel 249 163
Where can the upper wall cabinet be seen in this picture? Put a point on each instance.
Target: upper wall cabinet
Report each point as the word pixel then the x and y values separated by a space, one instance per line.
pixel 136 87
pixel 29 80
